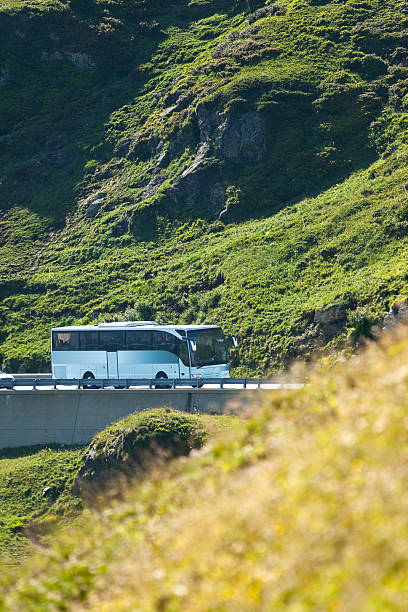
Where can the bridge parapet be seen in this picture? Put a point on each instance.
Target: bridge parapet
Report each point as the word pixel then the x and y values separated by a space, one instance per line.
pixel 74 416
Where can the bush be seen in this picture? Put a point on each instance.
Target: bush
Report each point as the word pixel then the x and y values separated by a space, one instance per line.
pixel 361 321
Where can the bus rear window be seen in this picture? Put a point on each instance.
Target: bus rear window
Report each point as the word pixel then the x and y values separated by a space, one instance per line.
pixel 65 341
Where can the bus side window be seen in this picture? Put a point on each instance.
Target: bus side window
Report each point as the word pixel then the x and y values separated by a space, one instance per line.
pixel 89 340
pixel 163 341
pixel 139 340
pixel 65 341
pixel 112 341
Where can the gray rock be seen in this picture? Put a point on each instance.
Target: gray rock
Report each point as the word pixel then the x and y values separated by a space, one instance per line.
pixel 389 320
pixel 184 138
pixel 332 315
pixel 217 199
pixel 189 186
pixel 243 138
pixel 266 11
pixel 80 60
pixel 239 138
pixel 141 148
pixel 153 186
pixel 397 314
pixel 120 227
pixel 95 205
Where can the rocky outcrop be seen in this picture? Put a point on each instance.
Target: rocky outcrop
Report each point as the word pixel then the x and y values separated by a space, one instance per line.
pixel 95 205
pixel 136 147
pixel 243 139
pixel 331 320
pixel 224 136
pixel 153 186
pixel 329 316
pixel 189 187
pixel 127 453
pixel 397 314
pixel 266 11
pixel 80 60
pixel 236 137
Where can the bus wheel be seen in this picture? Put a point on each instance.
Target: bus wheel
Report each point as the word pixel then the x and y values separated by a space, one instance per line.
pixel 89 376
pixel 162 375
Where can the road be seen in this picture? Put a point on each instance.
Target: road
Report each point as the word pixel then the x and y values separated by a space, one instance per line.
pixel 39 381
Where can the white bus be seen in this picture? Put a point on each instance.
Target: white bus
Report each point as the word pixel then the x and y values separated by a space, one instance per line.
pixel 140 349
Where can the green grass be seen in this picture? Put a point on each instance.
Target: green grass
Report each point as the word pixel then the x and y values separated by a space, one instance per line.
pixel 130 449
pixel 319 221
pixel 141 442
pixel 329 250
pixel 23 479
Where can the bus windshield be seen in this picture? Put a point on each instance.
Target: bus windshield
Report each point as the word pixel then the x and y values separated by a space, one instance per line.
pixel 210 347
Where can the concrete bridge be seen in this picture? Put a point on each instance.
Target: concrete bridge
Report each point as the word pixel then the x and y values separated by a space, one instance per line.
pixel 73 416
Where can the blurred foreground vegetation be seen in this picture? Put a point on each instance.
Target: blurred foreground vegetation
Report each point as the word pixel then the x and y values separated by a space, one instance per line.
pixel 43 488
pixel 303 508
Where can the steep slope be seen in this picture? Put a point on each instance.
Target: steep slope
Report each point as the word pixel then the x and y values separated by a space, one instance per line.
pixel 213 161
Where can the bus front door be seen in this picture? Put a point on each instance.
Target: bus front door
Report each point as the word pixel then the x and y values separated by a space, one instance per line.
pixel 112 359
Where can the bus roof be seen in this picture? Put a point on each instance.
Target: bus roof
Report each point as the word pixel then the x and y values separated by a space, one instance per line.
pixel 127 325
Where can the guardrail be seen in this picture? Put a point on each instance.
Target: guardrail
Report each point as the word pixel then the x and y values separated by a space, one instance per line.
pixel 127 383
pixel 20 376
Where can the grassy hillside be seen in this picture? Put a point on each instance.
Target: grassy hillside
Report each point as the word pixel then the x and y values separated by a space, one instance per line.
pixel 304 508
pixel 219 161
pixel 34 486
pixel 43 489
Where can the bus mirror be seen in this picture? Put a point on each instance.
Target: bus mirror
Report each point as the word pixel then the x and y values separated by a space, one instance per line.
pixel 232 342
